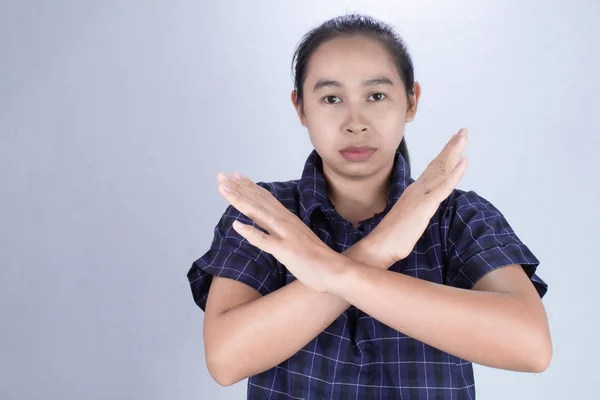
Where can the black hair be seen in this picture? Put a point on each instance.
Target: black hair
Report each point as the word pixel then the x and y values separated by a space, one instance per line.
pixel 352 24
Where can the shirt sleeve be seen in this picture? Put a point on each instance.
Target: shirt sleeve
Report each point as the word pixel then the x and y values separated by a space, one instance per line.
pixel 232 256
pixel 479 240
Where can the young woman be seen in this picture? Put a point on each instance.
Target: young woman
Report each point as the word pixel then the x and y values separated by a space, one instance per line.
pixel 356 281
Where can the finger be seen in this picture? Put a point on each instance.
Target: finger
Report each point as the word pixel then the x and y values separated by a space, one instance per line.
pixel 440 167
pixel 254 236
pixel 256 211
pixel 255 189
pixel 451 152
pixel 455 146
pixel 443 190
pixel 429 172
pixel 236 177
pixel 251 190
pixel 252 187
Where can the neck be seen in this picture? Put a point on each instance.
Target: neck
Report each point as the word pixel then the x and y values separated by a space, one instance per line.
pixel 357 199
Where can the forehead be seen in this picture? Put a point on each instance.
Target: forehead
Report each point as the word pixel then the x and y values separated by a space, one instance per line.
pixel 350 60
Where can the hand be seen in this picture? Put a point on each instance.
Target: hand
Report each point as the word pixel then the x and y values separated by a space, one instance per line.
pixel 288 239
pixel 396 235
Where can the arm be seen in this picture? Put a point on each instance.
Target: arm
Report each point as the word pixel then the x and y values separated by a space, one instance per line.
pixel 501 323
pixel 254 325
pixel 240 323
pixel 258 333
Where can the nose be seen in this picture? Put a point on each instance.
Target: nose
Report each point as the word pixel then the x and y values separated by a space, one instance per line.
pixel 355 128
pixel 355 122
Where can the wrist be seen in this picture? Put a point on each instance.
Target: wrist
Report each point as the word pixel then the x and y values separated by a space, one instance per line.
pixel 335 266
pixel 378 257
pixel 339 273
pixel 362 251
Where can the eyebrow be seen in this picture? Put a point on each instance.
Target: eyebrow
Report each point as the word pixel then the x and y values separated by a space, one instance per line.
pixel 381 80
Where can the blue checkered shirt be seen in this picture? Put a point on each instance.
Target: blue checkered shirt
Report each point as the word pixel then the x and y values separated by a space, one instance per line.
pixel 358 357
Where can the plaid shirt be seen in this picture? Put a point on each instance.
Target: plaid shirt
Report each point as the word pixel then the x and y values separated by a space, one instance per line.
pixel 358 357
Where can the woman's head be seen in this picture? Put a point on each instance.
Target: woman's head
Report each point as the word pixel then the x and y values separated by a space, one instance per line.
pixel 354 86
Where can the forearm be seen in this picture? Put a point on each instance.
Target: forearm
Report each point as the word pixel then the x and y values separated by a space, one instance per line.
pixel 261 334
pixel 488 328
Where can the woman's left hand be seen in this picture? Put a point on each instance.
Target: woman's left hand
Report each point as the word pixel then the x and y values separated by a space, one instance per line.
pixel 289 240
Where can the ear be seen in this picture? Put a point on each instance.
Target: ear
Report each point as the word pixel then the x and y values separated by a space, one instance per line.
pixel 413 102
pixel 299 108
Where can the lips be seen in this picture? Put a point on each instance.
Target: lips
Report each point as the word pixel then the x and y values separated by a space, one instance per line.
pixel 357 153
pixel 356 149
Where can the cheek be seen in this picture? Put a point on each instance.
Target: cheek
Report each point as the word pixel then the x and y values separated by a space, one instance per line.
pixel 315 114
pixel 321 135
pixel 390 118
pixel 321 124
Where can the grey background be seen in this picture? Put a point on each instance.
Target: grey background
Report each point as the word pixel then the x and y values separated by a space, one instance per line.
pixel 116 116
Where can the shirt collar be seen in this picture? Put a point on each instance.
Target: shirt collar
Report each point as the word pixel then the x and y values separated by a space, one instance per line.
pixel 313 193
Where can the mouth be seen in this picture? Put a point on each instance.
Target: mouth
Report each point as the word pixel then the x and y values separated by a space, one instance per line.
pixel 357 153
pixel 356 149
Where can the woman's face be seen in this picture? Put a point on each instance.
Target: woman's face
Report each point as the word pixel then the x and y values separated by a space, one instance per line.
pixel 353 96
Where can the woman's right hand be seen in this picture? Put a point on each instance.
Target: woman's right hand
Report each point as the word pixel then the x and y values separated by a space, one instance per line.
pixel 396 235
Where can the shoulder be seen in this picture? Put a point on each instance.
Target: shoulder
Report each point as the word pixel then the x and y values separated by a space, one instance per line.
pixel 465 201
pixel 468 214
pixel 478 238
pixel 460 197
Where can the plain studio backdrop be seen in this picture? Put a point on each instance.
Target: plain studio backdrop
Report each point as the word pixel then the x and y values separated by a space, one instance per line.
pixel 116 116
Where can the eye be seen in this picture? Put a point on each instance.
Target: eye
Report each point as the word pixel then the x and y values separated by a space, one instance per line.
pixel 381 95
pixel 331 96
